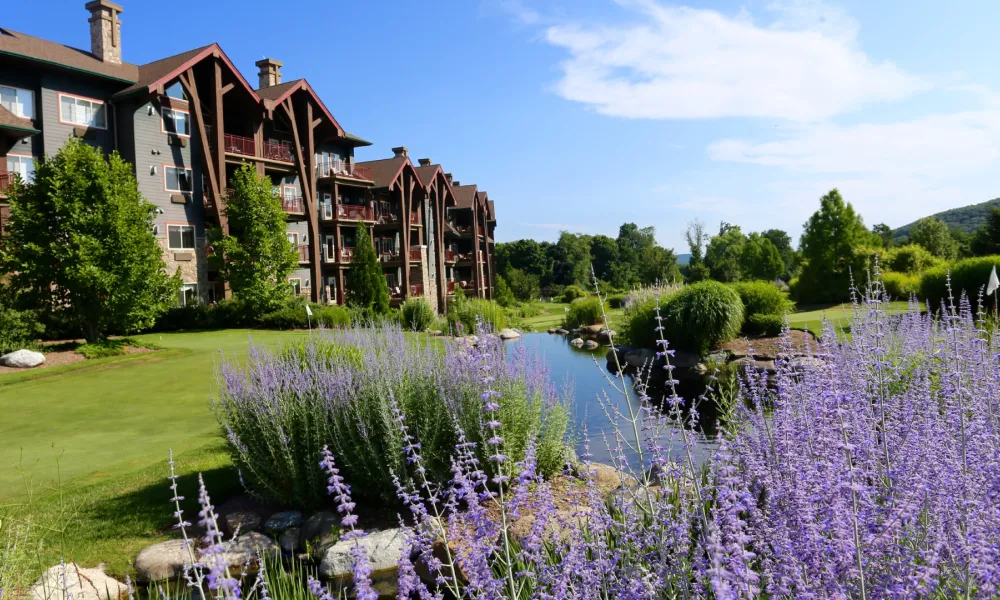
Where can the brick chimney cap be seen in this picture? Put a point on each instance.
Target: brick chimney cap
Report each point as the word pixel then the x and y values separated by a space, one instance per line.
pixel 94 5
pixel 400 151
pixel 268 62
pixel 424 162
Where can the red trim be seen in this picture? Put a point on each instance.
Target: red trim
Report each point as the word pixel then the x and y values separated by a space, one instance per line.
pixel 163 129
pixel 208 51
pixel 304 85
pixel 165 165
pixel 59 96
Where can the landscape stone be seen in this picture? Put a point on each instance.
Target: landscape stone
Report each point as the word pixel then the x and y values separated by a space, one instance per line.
pixel 561 331
pixel 684 360
pixel 283 520
pixel 80 584
pixel 608 478
pixel 509 334
pixel 591 345
pixel 164 560
pixel 553 330
pixel 804 363
pixel 247 548
pixel 289 539
pixel 605 336
pixel 22 359
pixel 593 329
pixel 576 342
pixel 640 358
pixel 384 549
pixel 718 357
pixel 317 532
pixel 240 521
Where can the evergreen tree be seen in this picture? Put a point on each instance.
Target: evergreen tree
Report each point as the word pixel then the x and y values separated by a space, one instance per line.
pixel 255 258
pixel 80 243
pixel 502 294
pixel 829 240
pixel 365 286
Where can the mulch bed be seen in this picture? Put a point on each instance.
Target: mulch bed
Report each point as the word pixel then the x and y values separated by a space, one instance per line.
pixel 767 348
pixel 66 357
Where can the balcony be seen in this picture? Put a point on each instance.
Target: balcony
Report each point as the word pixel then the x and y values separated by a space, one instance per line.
pixel 303 252
pixel 414 218
pixel 6 180
pixel 344 169
pixel 354 213
pixel 450 256
pixel 451 287
pixel 293 205
pixel 416 289
pixel 278 152
pixel 346 254
pixel 389 255
pixel 237 144
pixel 415 254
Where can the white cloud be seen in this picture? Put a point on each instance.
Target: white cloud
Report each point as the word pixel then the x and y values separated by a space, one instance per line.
pixel 519 11
pixel 687 63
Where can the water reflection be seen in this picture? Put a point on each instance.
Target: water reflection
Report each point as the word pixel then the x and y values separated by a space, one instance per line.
pixel 575 369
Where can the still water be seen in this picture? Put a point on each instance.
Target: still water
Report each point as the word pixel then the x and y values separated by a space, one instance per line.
pixel 581 375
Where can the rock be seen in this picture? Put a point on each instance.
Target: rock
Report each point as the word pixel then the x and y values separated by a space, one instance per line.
pixel 319 532
pixel 701 369
pixel 72 581
pixel 767 366
pixel 164 560
pixel 434 332
pixel 593 329
pixel 22 359
pixel 591 345
pixel 801 364
pixel 289 539
pixel 553 330
pixel 283 520
pixel 509 334
pixel 608 478
pixel 561 331
pixel 684 360
pixel 605 336
pixel 576 342
pixel 384 549
pixel 640 358
pixel 240 521
pixel 247 548
pixel 718 357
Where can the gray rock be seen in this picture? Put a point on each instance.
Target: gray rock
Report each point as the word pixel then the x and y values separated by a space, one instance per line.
pixel 79 584
pixel 22 359
pixel 805 363
pixel 591 345
pixel 318 531
pixel 608 478
pixel 561 331
pixel 240 521
pixel 289 539
pixel 384 549
pixel 246 549
pixel 553 330
pixel 605 336
pixel 718 357
pixel 434 332
pixel 592 329
pixel 164 560
pixel 283 520
pixel 685 360
pixel 640 358
pixel 576 342
pixel 509 334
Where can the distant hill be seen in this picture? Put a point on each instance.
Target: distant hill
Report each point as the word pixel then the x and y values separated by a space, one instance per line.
pixel 967 218
pixel 683 259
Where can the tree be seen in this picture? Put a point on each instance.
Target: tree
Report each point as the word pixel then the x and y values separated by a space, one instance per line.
pixel 696 238
pixel 365 286
pixel 525 287
pixel 783 242
pixel 760 259
pixel 526 255
pixel 884 232
pixel 933 235
pixel 604 254
pixel 255 258
pixel 502 294
pixel 724 254
pixel 80 242
pixel 986 240
pixel 571 259
pixel 658 265
pixel 632 242
pixel 829 239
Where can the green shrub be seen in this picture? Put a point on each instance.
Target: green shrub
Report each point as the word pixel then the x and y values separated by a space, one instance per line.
pixel 617 301
pixel 473 311
pixel 583 312
pixel 417 314
pixel 112 347
pixel 572 292
pixel 967 275
pixel 19 329
pixel 293 316
pixel 637 324
pixel 762 298
pixel 910 259
pixel 702 315
pixel 502 293
pixel 900 286
pixel 762 324
pixel 196 316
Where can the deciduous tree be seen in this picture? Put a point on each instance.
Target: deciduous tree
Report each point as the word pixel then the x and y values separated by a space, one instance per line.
pixel 933 235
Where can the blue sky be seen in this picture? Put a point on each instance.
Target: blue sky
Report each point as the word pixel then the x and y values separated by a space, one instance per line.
pixel 583 114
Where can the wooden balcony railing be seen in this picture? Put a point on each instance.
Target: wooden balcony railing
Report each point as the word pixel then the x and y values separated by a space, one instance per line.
pixel 415 254
pixel 346 254
pixel 6 180
pixel 237 144
pixel 303 253
pixel 293 205
pixel 344 169
pixel 350 211
pixel 389 255
pixel 415 218
pixel 416 289
pixel 450 256
pixel 279 152
pixel 451 287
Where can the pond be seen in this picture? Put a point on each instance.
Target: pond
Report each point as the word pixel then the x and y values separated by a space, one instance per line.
pixel 582 373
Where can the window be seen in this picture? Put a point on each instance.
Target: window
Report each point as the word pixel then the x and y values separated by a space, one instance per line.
pixel 177 179
pixel 293 238
pixel 188 295
pixel 23 165
pixel 180 237
pixel 176 91
pixel 296 285
pixel 18 101
pixel 82 111
pixel 329 249
pixel 176 121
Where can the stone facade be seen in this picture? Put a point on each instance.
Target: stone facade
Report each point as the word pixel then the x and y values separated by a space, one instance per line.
pixel 105 31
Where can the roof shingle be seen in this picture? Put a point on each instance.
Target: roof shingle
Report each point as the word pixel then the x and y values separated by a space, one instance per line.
pixel 150 73
pixel 385 171
pixel 9 120
pixel 32 48
pixel 465 195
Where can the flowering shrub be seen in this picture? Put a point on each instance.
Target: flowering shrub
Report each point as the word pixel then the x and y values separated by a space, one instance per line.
pixel 281 408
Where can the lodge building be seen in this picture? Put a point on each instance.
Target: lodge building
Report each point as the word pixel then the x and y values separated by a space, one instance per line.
pixel 187 122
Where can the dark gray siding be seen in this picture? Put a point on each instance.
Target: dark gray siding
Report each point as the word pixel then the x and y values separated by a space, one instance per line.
pixel 125 122
pixel 54 133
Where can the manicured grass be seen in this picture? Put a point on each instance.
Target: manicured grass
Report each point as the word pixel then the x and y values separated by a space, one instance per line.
pixel 553 314
pixel 811 319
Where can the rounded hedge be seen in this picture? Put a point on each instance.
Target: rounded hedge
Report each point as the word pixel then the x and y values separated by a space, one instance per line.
pixel 909 259
pixel 760 324
pixel 572 292
pixel 967 275
pixel 417 314
pixel 900 286
pixel 762 298
pixel 701 315
pixel 583 312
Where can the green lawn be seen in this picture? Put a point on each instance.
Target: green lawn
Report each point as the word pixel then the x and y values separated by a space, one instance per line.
pixel 839 314
pixel 553 314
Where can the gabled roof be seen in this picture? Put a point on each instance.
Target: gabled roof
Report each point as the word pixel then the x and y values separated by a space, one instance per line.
pixel 465 195
pixel 427 174
pixel 17 44
pixel 276 94
pixel 357 141
pixel 161 72
pixel 10 121
pixel 387 170
pixel 492 214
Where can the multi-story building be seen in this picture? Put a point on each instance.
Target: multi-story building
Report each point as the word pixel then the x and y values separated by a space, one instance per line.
pixel 187 122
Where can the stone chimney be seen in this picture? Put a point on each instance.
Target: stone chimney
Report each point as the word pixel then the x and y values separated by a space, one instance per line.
pixel 424 162
pixel 455 183
pixel 105 31
pixel 399 151
pixel 448 177
pixel 270 72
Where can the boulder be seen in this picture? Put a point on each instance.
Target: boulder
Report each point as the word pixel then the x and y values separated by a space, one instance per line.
pixel 591 345
pixel 593 329
pixel 608 478
pixel 22 359
pixel 283 520
pixel 553 330
pixel 718 357
pixel 247 548
pixel 576 342
pixel 240 521
pixel 561 331
pixel 605 336
pixel 76 582
pixel 319 532
pixel 684 360
pixel 640 358
pixel 164 560
pixel 384 549
pixel 434 332
pixel 289 539
pixel 509 334
pixel 800 364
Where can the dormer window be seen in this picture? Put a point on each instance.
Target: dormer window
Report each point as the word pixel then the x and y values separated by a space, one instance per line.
pixel 19 101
